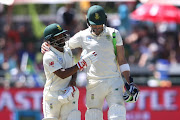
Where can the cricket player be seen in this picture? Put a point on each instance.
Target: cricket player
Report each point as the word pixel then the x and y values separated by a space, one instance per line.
pixel 60 96
pixel 104 78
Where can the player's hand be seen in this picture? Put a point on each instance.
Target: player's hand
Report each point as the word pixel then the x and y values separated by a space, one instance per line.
pixel 130 98
pixel 87 60
pixel 132 92
pixel 131 87
pixel 68 95
pixel 45 47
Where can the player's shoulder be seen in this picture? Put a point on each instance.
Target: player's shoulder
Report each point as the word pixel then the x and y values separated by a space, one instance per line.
pixel 110 29
pixel 48 55
pixel 67 49
pixel 85 31
pixel 69 52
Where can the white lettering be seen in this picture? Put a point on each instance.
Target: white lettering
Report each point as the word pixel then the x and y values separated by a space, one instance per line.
pixel 158 101
pixel 7 101
pixel 130 106
pixel 21 98
pixel 169 99
pixel 155 101
pixel 37 96
pixel 138 116
pixel 142 100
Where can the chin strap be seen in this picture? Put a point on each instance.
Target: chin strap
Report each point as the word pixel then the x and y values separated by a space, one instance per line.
pixel 93 32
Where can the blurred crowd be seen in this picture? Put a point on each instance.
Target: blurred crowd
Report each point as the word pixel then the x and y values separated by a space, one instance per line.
pixel 153 47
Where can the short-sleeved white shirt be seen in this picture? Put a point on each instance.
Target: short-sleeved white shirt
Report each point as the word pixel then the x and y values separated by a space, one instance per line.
pixel 106 66
pixel 52 61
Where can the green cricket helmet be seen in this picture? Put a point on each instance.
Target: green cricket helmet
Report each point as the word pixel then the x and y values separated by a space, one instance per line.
pixel 96 15
pixel 54 30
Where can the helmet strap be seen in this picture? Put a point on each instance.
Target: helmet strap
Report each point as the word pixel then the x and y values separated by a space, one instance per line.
pixel 87 21
pixel 92 32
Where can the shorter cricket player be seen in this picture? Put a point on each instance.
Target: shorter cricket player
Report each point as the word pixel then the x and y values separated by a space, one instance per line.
pixel 60 96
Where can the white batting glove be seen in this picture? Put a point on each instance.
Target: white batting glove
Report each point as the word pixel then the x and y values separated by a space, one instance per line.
pixel 68 95
pixel 87 60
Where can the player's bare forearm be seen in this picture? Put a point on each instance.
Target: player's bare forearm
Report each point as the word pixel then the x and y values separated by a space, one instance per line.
pixel 73 80
pixel 122 61
pixel 74 77
pixel 120 55
pixel 126 75
pixel 64 73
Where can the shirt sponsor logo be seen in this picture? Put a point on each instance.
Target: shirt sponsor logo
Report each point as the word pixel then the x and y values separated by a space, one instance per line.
pixel 51 63
pixel 60 60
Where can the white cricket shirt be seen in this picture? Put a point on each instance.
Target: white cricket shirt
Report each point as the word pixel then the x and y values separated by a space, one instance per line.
pixel 52 61
pixel 106 66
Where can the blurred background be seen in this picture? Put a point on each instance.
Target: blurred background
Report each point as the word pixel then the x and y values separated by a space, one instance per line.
pixel 151 35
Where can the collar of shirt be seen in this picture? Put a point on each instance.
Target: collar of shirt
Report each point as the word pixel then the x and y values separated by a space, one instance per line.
pixel 54 50
pixel 104 31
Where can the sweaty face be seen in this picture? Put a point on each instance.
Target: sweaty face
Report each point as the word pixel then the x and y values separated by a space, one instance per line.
pixel 59 41
pixel 97 29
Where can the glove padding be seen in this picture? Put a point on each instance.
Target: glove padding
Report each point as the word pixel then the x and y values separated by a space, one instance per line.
pixel 87 60
pixel 132 92
pixel 68 95
pixel 130 98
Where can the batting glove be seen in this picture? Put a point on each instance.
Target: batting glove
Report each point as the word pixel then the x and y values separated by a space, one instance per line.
pixel 87 60
pixel 130 87
pixel 130 98
pixel 132 92
pixel 68 95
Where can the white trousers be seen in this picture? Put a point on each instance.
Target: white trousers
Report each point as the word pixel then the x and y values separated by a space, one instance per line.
pixel 52 108
pixel 109 89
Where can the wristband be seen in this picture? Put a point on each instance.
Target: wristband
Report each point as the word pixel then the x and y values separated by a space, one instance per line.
pixel 124 67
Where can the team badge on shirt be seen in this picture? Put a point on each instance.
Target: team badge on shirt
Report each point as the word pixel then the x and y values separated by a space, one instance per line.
pixel 92 96
pixel 51 106
pixel 108 37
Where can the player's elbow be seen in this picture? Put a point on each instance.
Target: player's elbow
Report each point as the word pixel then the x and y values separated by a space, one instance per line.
pixel 61 74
